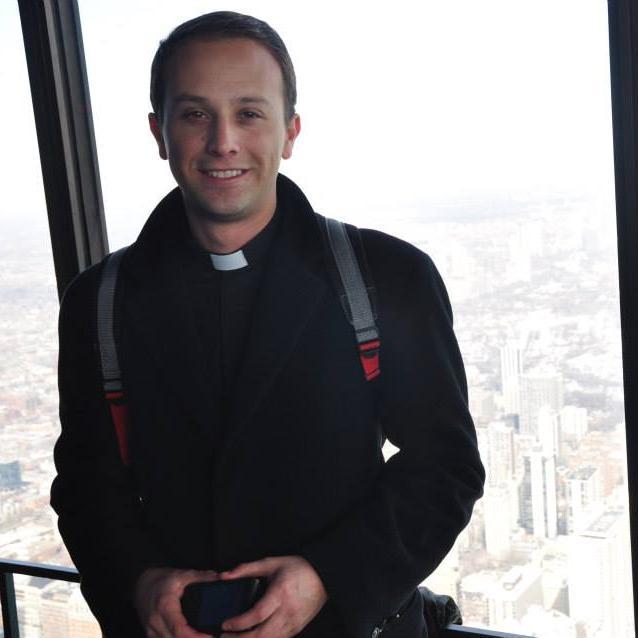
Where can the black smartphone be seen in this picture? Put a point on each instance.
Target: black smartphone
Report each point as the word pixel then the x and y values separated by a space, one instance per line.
pixel 207 605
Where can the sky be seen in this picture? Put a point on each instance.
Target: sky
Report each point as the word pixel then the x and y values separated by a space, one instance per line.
pixel 402 105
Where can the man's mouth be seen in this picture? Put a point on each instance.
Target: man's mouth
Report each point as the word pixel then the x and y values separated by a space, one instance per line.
pixel 225 174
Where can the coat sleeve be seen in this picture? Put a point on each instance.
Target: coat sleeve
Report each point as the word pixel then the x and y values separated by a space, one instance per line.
pixel 100 517
pixel 396 534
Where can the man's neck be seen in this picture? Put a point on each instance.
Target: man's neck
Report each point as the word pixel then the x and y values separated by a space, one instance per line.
pixel 226 237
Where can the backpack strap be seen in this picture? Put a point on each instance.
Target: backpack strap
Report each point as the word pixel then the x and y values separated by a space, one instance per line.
pixel 357 298
pixel 109 361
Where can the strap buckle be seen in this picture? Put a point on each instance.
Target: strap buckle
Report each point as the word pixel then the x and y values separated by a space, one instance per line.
pixel 369 356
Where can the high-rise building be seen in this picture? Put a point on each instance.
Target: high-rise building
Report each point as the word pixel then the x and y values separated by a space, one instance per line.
pixel 82 624
pixel 511 371
pixel 545 622
pixel 515 591
pixel 501 454
pixel 537 494
pixel 474 597
pixel 28 596
pixel 573 422
pixel 65 614
pixel 536 392
pixel 498 518
pixel 548 431
pixel 54 613
pixel 599 577
pixel 481 402
pixel 584 497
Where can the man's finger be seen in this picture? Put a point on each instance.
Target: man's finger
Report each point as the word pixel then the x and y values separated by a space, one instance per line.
pixel 199 577
pixel 189 632
pixel 158 627
pixel 257 614
pixel 173 616
pixel 262 567
pixel 179 627
pixel 272 627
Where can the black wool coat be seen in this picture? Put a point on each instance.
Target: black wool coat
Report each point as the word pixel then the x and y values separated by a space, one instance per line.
pixel 297 466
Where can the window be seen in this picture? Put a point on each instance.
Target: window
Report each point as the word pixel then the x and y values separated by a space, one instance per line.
pixel 28 387
pixel 487 131
pixel 29 403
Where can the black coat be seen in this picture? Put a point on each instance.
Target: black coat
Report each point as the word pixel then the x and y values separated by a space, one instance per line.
pixel 297 468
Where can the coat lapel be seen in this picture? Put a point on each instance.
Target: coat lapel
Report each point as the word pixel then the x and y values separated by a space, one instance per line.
pixel 165 325
pixel 157 310
pixel 287 299
pixel 294 285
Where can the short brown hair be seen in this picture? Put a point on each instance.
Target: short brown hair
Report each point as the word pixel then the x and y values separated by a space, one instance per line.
pixel 216 26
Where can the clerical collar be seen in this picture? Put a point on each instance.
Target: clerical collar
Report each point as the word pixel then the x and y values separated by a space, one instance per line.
pixel 232 261
pixel 249 254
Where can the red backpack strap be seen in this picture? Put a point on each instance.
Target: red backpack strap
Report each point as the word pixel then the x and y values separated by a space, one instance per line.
pixel 109 361
pixel 359 307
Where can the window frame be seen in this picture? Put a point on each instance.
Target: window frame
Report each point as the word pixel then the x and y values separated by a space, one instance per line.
pixel 64 125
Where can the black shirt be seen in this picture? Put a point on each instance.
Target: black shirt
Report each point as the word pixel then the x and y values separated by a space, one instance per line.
pixel 222 303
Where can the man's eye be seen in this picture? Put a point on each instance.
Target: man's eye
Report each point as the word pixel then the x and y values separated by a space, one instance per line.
pixel 249 115
pixel 194 115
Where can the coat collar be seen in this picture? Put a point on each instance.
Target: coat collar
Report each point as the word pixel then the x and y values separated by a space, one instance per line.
pixel 293 284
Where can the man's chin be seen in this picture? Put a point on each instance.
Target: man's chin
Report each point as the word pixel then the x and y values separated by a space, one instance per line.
pixel 220 213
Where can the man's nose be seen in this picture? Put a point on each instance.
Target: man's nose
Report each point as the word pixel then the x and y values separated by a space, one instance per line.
pixel 222 137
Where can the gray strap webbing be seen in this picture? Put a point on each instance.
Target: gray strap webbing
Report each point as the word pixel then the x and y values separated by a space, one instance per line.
pixel 353 285
pixel 105 323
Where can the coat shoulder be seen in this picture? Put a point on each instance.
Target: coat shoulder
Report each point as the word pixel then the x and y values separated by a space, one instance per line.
pixel 397 263
pixel 381 246
pixel 78 302
pixel 83 285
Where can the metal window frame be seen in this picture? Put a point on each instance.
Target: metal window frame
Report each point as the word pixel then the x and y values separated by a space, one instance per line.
pixel 68 156
pixel 64 125
pixel 623 55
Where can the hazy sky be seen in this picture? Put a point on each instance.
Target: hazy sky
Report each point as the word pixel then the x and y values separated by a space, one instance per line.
pixel 402 104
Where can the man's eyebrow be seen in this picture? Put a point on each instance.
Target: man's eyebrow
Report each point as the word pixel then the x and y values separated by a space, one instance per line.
pixel 188 97
pixel 199 99
pixel 254 100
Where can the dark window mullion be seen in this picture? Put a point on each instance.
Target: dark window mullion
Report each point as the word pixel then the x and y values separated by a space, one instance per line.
pixel 623 43
pixel 66 140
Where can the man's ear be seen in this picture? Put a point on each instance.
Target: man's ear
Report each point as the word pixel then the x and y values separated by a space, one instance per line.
pixel 293 128
pixel 156 130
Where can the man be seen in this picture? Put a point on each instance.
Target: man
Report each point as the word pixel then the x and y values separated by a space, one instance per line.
pixel 255 437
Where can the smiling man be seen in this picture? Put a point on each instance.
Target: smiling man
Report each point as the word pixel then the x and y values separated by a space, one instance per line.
pixel 254 439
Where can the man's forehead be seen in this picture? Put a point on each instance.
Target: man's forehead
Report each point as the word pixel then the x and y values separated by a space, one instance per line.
pixel 228 52
pixel 228 60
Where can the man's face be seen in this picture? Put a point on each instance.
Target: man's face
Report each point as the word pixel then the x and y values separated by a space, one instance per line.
pixel 223 130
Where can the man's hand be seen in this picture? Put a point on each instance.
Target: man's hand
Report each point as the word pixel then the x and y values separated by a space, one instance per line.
pixel 157 600
pixel 294 597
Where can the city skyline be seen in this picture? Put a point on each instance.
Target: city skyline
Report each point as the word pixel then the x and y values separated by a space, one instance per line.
pixel 536 330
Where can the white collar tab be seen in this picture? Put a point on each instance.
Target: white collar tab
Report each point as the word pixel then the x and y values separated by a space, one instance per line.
pixel 232 261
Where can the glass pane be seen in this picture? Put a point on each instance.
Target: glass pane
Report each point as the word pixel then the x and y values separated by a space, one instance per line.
pixel 486 131
pixel 53 609
pixel 28 297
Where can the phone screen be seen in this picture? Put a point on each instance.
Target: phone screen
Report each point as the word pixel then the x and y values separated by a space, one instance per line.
pixel 207 605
